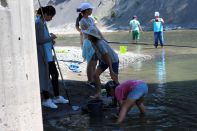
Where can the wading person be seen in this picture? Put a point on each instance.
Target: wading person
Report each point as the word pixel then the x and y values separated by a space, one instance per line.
pixel 46 63
pixel 128 94
pixel 88 52
pixel 158 30
pixel 134 26
pixel 106 55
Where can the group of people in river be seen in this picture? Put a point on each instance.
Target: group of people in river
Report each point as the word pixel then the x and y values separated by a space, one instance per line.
pixel 134 26
pixel 99 56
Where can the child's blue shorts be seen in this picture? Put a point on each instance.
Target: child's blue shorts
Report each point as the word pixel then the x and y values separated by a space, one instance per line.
pixel 139 91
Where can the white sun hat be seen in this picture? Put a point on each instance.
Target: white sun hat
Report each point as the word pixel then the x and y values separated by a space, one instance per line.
pixel 85 6
pixel 156 13
pixel 93 31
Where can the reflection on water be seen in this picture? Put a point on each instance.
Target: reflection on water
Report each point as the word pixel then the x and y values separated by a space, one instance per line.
pixel 172 84
pixel 138 64
pixel 172 100
pixel 161 69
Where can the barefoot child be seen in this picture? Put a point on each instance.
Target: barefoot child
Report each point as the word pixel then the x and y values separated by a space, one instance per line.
pixel 128 94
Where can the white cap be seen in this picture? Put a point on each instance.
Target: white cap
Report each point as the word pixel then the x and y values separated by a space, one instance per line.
pixel 93 31
pixel 156 13
pixel 85 6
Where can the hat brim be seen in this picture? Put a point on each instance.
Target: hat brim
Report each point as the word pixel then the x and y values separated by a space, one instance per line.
pixel 88 33
pixel 87 8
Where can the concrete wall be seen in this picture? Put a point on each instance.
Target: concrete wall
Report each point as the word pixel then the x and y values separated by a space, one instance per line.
pixel 20 108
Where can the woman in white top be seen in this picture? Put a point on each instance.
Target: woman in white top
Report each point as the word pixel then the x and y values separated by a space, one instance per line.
pixel 88 51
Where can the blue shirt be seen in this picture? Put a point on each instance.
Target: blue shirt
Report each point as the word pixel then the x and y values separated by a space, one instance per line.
pixel 47 45
pixel 157 25
pixel 88 50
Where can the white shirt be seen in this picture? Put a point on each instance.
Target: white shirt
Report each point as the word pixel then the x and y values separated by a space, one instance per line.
pixel 85 23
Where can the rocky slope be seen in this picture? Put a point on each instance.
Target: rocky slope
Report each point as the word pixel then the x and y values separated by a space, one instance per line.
pixel 115 14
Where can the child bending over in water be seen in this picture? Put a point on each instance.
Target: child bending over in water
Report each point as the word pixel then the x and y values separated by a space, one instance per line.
pixel 128 94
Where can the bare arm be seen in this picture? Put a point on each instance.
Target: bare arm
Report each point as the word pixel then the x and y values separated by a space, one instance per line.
pixel 151 21
pixel 126 106
pixel 140 28
pixel 162 21
pixel 108 61
pixel 77 28
pixel 129 29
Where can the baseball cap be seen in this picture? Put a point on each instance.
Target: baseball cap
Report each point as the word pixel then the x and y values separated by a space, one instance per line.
pixel 85 6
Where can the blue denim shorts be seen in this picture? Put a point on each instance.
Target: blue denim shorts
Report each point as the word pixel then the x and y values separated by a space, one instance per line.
pixel 139 91
pixel 103 66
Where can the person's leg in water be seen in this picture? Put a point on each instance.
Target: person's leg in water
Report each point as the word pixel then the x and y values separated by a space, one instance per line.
pixel 161 39
pixel 137 37
pixel 133 37
pixel 156 39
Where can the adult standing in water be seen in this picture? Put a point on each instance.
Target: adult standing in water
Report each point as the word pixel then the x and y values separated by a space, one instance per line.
pixel 158 30
pixel 46 64
pixel 88 52
pixel 108 58
pixel 134 25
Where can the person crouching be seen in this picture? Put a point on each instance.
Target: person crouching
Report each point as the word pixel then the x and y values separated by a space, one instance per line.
pixel 128 94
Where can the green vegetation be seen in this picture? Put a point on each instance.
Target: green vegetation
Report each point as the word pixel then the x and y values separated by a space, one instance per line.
pixel 113 14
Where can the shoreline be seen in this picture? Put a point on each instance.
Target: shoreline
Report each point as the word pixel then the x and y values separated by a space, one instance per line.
pixel 78 91
pixel 72 55
pixel 62 31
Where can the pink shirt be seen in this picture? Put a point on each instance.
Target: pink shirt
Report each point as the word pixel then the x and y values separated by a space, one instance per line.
pixel 124 88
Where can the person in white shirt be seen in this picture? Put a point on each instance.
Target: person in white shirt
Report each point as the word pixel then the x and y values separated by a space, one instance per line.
pixel 134 25
pixel 88 52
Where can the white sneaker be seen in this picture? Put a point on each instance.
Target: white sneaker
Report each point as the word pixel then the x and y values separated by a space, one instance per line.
pixel 49 103
pixel 60 99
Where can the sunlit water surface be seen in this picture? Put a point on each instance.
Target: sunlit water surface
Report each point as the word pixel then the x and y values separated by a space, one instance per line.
pixel 172 79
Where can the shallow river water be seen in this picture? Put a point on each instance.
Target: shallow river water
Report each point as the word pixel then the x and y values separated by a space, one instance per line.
pixel 171 103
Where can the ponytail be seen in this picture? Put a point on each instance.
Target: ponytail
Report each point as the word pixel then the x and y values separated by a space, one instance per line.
pixel 80 16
